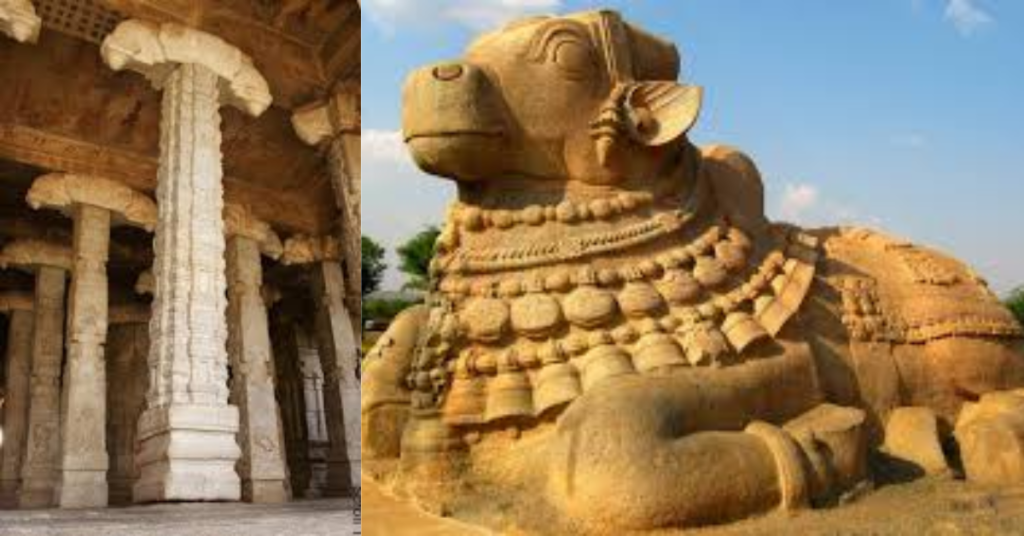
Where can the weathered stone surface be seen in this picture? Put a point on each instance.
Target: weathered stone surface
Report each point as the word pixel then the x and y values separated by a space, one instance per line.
pixel 39 468
pixel 340 361
pixel 155 50
pixel 19 21
pixel 688 316
pixel 991 437
pixel 912 435
pixel 82 482
pixel 63 190
pixel 262 466
pixel 18 367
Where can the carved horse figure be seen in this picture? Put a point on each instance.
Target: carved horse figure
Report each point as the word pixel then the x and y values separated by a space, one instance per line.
pixel 616 338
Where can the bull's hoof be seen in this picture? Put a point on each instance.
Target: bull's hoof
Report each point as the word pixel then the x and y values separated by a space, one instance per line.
pixel 991 437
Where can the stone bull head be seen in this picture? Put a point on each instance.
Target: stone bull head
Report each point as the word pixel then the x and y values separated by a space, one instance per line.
pixel 585 97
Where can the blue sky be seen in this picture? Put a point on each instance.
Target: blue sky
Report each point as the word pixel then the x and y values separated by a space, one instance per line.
pixel 907 115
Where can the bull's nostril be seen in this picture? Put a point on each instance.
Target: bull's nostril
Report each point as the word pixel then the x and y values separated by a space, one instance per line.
pixel 447 72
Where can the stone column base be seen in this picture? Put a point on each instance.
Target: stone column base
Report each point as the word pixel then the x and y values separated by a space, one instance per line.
pixel 188 453
pixel 82 489
pixel 265 491
pixel 35 497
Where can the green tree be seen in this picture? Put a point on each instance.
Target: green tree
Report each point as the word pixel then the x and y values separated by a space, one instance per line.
pixel 415 255
pixel 1016 303
pixel 373 265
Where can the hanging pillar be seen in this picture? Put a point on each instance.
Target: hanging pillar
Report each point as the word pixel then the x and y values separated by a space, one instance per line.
pixel 187 434
pixel 92 202
pixel 334 126
pixel 51 264
pixel 262 466
pixel 18 363
pixel 19 21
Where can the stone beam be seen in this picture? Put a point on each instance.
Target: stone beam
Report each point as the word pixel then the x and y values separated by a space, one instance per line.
pixel 15 301
pixel 187 448
pixel 306 249
pixel 52 151
pixel 62 191
pixel 19 21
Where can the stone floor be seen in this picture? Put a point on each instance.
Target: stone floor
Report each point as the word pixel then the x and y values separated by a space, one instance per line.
pixel 333 517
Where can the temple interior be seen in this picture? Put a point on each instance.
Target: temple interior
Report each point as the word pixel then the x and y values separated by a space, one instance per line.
pixel 178 319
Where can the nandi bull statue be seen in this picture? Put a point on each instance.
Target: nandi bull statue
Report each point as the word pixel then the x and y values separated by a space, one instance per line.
pixel 617 339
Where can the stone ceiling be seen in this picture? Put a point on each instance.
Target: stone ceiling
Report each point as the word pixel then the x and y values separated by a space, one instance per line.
pixel 62 109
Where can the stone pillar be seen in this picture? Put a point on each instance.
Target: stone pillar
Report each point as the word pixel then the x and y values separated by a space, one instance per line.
pixel 334 126
pixel 18 363
pixel 91 201
pixel 292 402
pixel 262 466
pixel 51 263
pixel 127 346
pixel 187 448
pixel 83 464
pixel 340 361
pixel 19 21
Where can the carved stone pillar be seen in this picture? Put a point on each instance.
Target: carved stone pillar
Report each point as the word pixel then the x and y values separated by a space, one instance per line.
pixel 18 363
pixel 334 126
pixel 51 263
pixel 19 21
pixel 127 346
pixel 187 448
pixel 340 361
pixel 92 202
pixel 262 467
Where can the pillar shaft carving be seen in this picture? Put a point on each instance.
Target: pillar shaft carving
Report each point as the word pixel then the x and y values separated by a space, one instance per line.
pixel 262 466
pixel 18 365
pixel 187 448
pixel 19 21
pixel 39 468
pixel 340 361
pixel 84 462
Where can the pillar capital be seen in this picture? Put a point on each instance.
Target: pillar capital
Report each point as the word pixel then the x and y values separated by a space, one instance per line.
pixel 240 221
pixel 321 121
pixel 306 249
pixel 18 20
pixel 30 254
pixel 62 191
pixel 155 50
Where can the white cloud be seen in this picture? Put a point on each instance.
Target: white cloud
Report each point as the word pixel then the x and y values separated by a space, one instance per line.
pixel 477 15
pixel 966 16
pixel 383 145
pixel 797 200
pixel 805 204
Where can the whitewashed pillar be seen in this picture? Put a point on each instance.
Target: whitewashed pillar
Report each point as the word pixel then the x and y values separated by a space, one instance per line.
pixel 187 448
pixel 18 363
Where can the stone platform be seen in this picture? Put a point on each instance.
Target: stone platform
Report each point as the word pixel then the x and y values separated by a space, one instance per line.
pixel 333 517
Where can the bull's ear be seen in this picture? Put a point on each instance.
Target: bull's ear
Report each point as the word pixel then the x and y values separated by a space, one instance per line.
pixel 660 112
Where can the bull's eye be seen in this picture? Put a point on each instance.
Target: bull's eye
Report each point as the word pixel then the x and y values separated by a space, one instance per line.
pixel 574 57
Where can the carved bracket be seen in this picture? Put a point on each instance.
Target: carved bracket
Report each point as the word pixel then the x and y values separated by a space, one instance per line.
pixel 240 221
pixel 18 19
pixel 155 50
pixel 320 121
pixel 63 190
pixel 145 284
pixel 33 253
pixel 305 249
